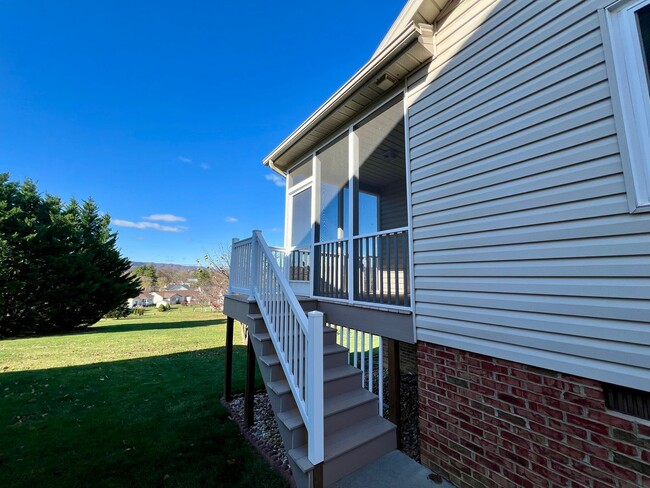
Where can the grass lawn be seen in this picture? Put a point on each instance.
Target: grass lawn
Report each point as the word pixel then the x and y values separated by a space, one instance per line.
pixel 130 402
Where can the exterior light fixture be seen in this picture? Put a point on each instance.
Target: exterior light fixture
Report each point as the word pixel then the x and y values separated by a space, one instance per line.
pixel 385 81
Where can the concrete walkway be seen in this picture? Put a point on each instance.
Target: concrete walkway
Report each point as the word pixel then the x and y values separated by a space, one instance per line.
pixel 395 469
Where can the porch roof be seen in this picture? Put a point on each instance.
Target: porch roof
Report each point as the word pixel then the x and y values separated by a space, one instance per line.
pixel 407 46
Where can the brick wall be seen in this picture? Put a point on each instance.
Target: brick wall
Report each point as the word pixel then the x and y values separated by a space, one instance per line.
pixel 486 422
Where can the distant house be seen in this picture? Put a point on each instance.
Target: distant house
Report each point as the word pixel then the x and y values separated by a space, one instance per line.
pixel 178 287
pixel 174 297
pixel 167 296
pixel 142 300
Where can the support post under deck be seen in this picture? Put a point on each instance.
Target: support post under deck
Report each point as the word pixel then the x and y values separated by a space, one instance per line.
pixel 394 396
pixel 250 384
pixel 227 380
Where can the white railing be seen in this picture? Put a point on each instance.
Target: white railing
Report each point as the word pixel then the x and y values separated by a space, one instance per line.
pixel 240 266
pixel 362 347
pixel 381 264
pixel 297 338
pixel 294 263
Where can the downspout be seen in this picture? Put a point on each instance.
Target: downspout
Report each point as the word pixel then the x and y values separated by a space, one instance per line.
pixel 276 169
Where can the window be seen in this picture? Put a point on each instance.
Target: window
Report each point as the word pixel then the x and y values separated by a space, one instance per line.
pixel 629 28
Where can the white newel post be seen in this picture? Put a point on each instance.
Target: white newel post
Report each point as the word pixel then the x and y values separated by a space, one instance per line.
pixel 233 265
pixel 315 409
pixel 255 262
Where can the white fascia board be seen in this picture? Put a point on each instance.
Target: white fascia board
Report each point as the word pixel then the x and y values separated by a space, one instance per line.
pixel 420 33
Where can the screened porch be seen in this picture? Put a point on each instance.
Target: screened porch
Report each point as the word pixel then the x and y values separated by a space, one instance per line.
pixel 347 233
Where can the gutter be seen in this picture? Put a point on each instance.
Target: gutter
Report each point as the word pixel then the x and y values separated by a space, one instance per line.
pixel 422 34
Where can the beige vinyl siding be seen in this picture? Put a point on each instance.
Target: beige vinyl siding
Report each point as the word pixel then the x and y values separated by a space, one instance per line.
pixel 523 245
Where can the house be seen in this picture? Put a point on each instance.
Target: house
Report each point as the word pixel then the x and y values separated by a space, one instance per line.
pixel 174 297
pixel 142 300
pixel 169 297
pixel 477 194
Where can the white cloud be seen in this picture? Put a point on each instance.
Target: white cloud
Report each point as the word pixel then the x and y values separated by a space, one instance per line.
pixel 205 166
pixel 147 225
pixel 184 159
pixel 276 179
pixel 231 219
pixel 275 229
pixel 165 218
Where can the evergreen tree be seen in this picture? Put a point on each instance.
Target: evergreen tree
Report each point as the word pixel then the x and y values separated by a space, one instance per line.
pixel 59 265
pixel 148 276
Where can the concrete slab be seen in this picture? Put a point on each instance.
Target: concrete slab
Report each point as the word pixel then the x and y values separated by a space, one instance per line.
pixel 395 469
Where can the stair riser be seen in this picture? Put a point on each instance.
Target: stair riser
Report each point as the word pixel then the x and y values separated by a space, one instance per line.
pixel 349 462
pixel 265 348
pixel 268 348
pixel 342 385
pixel 332 360
pixel 292 438
pixel 301 479
pixel 257 326
pixel 281 403
pixel 333 423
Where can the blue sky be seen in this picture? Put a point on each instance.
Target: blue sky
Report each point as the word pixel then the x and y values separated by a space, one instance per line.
pixel 162 111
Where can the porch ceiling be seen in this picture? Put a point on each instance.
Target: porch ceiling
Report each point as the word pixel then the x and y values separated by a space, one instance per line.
pixel 401 55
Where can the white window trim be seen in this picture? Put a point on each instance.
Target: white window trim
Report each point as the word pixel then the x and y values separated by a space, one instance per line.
pixel 630 97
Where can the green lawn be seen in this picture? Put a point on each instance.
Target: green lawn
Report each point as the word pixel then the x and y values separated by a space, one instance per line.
pixel 130 402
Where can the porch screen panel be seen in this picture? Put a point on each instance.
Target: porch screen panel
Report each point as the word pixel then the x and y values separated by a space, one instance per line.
pixel 381 255
pixel 333 190
pixel 331 250
pixel 299 258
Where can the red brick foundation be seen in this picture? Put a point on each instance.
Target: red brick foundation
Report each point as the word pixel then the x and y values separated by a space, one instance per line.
pixel 486 422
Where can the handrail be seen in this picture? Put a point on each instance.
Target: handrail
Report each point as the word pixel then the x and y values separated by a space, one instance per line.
pixel 382 232
pixel 296 337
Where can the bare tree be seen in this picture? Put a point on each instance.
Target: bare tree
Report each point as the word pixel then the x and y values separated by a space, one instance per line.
pixel 213 276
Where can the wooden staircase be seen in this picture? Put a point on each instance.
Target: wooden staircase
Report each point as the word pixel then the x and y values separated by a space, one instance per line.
pixel 354 432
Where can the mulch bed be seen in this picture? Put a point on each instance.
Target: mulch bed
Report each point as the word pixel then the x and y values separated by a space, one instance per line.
pixel 265 437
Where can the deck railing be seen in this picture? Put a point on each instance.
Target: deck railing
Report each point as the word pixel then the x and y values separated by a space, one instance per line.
pixel 331 273
pixel 297 338
pixel 240 266
pixel 298 264
pixel 382 268
pixel 294 263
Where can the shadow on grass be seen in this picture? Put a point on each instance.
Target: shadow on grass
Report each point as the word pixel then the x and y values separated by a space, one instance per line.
pixel 141 422
pixel 116 326
pixel 124 326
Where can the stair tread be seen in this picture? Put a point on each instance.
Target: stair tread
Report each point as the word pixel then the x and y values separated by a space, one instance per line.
pixel 272 359
pixel 344 441
pixel 261 337
pixel 329 374
pixel 332 406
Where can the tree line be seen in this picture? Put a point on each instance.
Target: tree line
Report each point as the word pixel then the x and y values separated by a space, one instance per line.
pixel 60 268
